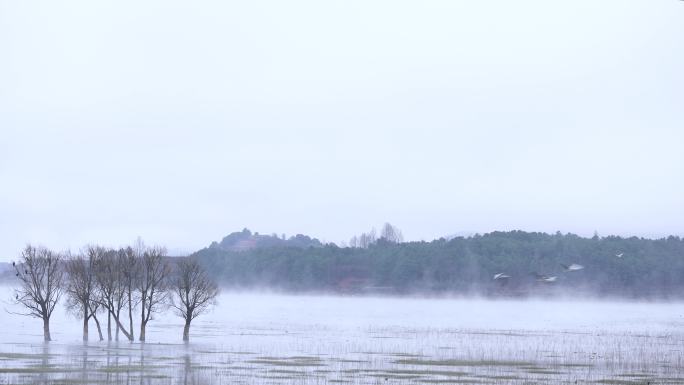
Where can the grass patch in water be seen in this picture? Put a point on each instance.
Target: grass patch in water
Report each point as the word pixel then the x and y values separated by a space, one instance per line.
pixel 395 376
pixel 130 368
pixel 35 370
pixel 292 358
pixel 275 362
pixel 24 356
pixel 502 377
pixel 576 365
pixel 445 373
pixel 286 371
pixel 461 362
pixel 544 371
pixel 157 376
pixel 354 371
pixel 278 377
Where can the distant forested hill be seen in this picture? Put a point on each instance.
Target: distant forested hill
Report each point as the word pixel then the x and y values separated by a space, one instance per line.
pixel 613 266
pixel 246 240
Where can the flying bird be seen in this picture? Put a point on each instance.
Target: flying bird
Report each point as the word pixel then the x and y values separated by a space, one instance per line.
pixel 501 276
pixel 572 267
pixel 619 255
pixel 545 278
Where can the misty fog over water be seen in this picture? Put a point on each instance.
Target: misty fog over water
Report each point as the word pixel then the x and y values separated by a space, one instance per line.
pixel 273 338
pixel 239 309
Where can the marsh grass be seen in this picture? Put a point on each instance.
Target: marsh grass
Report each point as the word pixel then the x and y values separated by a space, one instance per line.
pixel 285 362
pixel 35 370
pixel 419 362
pixel 429 373
pixel 131 368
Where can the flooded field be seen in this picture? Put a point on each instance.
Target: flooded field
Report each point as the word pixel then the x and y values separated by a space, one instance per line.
pixel 274 339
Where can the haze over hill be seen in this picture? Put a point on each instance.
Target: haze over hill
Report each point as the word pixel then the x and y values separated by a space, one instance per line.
pixel 535 263
pixel 514 263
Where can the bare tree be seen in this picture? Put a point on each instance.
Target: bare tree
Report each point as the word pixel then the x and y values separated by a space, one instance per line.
pixel 193 292
pixel 81 288
pixel 367 239
pixel 129 260
pixel 40 284
pixel 152 289
pixel 363 241
pixel 119 299
pixel 391 234
pixel 110 288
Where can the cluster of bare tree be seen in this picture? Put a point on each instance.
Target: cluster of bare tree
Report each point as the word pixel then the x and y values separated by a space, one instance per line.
pixel 116 282
pixel 388 233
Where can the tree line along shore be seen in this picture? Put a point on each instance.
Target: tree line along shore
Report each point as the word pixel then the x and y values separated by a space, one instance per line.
pixel 614 266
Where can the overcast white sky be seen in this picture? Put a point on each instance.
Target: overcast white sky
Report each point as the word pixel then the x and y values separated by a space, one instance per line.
pixel 183 121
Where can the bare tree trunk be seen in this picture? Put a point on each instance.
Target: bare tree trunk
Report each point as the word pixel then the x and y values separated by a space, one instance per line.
pixel 186 331
pixel 118 312
pixel 46 329
pixel 99 329
pixel 130 314
pixel 123 330
pixel 109 326
pixel 85 325
pixel 143 324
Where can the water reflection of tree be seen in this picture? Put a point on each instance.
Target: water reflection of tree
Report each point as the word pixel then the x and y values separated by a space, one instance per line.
pixel 45 362
pixel 112 364
pixel 193 375
pixel 84 367
pixel 141 370
pixel 187 369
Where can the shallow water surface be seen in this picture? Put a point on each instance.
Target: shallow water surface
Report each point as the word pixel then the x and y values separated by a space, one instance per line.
pixel 268 339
